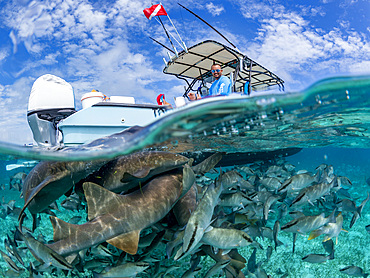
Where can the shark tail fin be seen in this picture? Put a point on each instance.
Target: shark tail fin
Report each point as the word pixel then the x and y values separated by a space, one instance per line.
pixel 61 228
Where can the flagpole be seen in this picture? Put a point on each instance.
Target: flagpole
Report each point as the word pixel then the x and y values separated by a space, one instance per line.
pixel 168 36
pixel 183 43
pixel 169 49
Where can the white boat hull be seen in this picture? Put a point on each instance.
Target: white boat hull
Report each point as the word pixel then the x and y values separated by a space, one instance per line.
pixel 104 119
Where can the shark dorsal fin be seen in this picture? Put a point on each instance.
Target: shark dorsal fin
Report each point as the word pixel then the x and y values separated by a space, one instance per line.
pixel 100 200
pixel 127 242
pixel 61 228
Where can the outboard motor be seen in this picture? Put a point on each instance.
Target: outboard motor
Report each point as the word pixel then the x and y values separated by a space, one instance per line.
pixel 51 100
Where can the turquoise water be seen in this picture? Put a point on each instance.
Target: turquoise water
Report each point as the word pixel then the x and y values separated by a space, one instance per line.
pixel 330 122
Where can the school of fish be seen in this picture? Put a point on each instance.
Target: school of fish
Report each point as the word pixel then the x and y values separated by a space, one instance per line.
pixel 151 203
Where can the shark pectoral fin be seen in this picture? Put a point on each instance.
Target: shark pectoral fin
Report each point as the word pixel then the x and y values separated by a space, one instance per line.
pixel 142 173
pixel 188 179
pixel 35 191
pixel 127 242
pixel 99 200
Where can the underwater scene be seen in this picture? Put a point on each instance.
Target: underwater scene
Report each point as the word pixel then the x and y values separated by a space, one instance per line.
pixel 274 185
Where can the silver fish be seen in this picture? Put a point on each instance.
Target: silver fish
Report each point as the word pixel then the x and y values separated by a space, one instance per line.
pixel 274 171
pixel 215 269
pixel 354 271
pixel 235 200
pixel 232 269
pixel 10 262
pixel 330 229
pixel 191 273
pixel 8 242
pixel 317 258
pixel 75 219
pixel 346 205
pixel 44 254
pixel 226 238
pixel 306 224
pixel 297 182
pixel 71 204
pixel 247 170
pixel 124 270
pixel 313 192
pixel 328 246
pixel 200 219
pixel 271 184
pixel 174 242
pixel 268 253
pixel 275 233
pixel 234 179
pixel 289 167
pixel 269 202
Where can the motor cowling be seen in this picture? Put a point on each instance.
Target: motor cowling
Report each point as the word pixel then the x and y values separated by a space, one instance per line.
pixel 51 100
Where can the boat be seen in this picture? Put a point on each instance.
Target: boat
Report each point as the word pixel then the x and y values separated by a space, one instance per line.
pixel 54 121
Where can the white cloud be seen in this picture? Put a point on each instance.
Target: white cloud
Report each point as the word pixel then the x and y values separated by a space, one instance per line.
pixel 362 67
pixel 14 41
pixel 290 46
pixel 3 55
pixel 214 10
pixel 13 110
pixel 256 9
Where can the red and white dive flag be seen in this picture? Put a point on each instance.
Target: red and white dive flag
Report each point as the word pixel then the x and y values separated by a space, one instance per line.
pixel 154 10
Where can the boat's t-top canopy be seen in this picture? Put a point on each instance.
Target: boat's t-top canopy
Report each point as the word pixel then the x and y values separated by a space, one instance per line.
pixel 246 75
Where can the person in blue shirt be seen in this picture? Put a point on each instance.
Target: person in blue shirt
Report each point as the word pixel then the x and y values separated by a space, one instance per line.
pixel 221 86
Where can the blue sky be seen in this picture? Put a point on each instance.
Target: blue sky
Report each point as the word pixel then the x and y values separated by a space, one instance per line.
pixel 105 45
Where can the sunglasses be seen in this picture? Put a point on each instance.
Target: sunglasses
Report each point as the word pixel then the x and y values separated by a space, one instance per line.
pixel 216 70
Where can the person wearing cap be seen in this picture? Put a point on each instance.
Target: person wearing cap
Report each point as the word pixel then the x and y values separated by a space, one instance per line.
pixel 162 101
pixel 221 86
